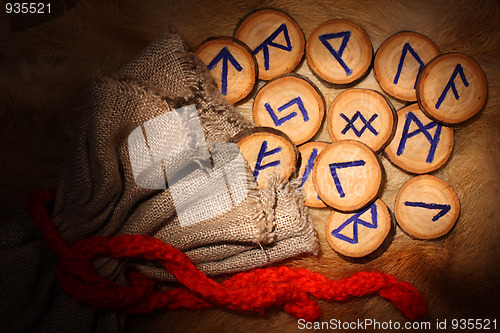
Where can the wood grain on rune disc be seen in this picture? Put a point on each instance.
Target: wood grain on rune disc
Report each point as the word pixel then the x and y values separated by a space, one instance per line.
pixel 452 88
pixel 399 60
pixel 275 39
pixel 348 175
pixel 358 234
pixel 231 64
pixel 268 151
pixel 420 145
pixel 363 115
pixel 339 52
pixel 292 105
pixel 308 153
pixel 426 207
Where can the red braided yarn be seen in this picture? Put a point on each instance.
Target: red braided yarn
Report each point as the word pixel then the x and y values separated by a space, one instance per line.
pixel 255 290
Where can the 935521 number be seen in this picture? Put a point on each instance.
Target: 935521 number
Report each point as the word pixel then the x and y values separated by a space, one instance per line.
pixel 27 7
pixel 471 324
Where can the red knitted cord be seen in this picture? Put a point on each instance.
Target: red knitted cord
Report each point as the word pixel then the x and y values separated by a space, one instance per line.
pixel 255 290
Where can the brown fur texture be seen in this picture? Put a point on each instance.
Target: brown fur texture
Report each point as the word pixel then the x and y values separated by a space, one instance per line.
pixel 43 77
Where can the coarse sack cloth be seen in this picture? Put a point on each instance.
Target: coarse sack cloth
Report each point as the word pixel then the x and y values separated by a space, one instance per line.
pixel 98 194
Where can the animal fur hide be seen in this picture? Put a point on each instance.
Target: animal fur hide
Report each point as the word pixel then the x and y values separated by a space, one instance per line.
pixel 44 72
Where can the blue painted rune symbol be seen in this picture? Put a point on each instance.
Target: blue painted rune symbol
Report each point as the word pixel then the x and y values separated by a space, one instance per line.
pixel 226 57
pixel 356 221
pixel 367 124
pixel 341 165
pixel 444 209
pixel 264 153
pixel 337 54
pixel 407 48
pixel 279 121
pixel 451 85
pixel 269 41
pixel 434 141
pixel 310 165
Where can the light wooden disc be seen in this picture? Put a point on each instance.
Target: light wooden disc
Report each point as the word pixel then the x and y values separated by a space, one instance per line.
pixel 232 66
pixel 399 60
pixel 452 88
pixel 275 39
pixel 339 52
pixel 347 175
pixel 420 145
pixel 308 153
pixel 363 115
pixel 426 207
pixel 292 105
pixel 359 234
pixel 268 151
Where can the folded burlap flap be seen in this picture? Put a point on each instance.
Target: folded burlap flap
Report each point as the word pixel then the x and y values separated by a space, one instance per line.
pixel 99 194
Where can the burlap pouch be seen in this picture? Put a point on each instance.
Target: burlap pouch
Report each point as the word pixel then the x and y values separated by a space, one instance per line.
pixel 99 194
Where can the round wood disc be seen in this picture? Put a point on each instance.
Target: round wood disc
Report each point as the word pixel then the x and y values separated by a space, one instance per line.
pixel 347 175
pixel 399 60
pixel 268 151
pixel 339 52
pixel 275 39
pixel 292 105
pixel 426 207
pixel 308 153
pixel 232 66
pixel 359 234
pixel 452 88
pixel 364 115
pixel 420 145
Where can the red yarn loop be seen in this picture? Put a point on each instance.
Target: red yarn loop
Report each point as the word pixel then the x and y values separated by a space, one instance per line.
pixel 254 290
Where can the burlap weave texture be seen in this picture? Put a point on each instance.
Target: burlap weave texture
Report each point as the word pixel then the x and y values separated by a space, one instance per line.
pixel 98 193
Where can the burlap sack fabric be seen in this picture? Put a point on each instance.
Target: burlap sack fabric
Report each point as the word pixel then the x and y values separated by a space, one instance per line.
pixel 98 194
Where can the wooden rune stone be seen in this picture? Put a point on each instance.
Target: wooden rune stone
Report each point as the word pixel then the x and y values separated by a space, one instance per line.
pixel 275 39
pixel 420 145
pixel 426 207
pixel 339 52
pixel 268 151
pixel 452 88
pixel 347 175
pixel 400 60
pixel 291 104
pixel 363 115
pixel 231 64
pixel 358 234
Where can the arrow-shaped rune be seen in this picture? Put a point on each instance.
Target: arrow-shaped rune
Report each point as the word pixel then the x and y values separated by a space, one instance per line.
pixel 225 56
pixel 444 208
